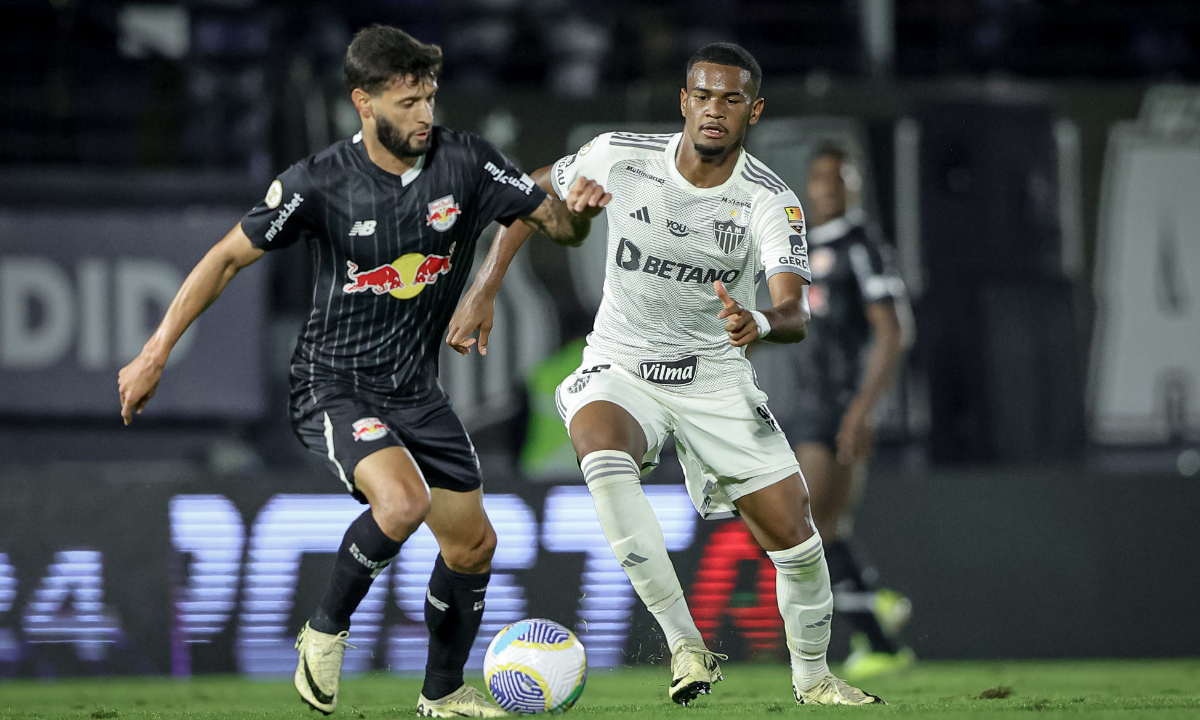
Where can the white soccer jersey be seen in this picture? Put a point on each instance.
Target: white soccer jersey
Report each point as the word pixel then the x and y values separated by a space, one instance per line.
pixel 667 242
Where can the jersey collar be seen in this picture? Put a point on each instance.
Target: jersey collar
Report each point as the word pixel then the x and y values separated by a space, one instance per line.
pixel 835 228
pixel 405 179
pixel 678 178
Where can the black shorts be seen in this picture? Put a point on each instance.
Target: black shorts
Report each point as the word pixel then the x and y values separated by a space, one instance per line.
pixel 343 428
pixel 818 425
pixel 817 417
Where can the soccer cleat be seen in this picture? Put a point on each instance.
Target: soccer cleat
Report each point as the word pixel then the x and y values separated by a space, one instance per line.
pixel 892 610
pixel 864 662
pixel 829 690
pixel 320 667
pixel 694 669
pixel 466 701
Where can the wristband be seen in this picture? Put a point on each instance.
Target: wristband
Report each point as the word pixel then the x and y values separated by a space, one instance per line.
pixel 764 325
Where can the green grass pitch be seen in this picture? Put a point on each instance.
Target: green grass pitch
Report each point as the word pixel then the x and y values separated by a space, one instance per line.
pixel 1084 690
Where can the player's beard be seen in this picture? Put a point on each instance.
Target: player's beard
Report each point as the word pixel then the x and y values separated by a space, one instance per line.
pixel 396 143
pixel 713 153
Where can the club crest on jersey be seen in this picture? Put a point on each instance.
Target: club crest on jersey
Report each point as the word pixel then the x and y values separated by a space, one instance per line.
pixel 443 213
pixel 674 372
pixel 369 429
pixel 729 235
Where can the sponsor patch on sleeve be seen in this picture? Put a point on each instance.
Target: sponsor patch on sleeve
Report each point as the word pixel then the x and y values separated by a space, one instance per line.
pixel 795 217
pixel 274 195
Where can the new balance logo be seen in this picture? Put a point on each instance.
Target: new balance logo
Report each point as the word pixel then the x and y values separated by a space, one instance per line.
pixel 362 227
pixel 643 214
pixel 633 559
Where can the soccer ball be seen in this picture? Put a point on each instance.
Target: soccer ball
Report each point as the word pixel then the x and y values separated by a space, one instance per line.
pixel 535 666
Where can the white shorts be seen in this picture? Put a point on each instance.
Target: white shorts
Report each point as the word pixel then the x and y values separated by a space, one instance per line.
pixel 728 442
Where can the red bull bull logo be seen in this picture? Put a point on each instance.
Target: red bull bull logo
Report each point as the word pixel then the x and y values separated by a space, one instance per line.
pixel 368 429
pixel 403 278
pixel 443 212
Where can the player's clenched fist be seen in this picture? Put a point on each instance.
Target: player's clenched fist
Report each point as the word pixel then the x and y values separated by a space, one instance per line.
pixel 587 198
pixel 739 322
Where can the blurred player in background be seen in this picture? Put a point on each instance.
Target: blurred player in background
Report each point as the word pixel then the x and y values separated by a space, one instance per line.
pixel 390 217
pixel 695 222
pixel 856 297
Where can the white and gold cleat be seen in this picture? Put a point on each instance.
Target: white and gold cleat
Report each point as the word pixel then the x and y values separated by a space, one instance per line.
pixel 694 670
pixel 320 668
pixel 831 690
pixel 467 701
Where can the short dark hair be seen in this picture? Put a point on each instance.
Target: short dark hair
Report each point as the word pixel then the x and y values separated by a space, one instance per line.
pixel 730 54
pixel 829 149
pixel 380 53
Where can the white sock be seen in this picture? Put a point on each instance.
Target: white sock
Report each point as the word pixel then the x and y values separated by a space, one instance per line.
pixel 677 624
pixel 637 539
pixel 806 604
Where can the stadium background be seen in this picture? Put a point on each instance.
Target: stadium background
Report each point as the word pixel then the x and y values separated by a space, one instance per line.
pixel 1035 162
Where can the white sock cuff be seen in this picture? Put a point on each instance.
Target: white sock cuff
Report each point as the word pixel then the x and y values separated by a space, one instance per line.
pixel 800 559
pixel 604 466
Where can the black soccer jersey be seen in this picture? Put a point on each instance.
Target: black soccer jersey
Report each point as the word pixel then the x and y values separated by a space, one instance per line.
pixel 390 257
pixel 851 267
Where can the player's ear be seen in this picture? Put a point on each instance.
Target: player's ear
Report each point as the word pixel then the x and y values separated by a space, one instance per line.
pixel 683 101
pixel 362 102
pixel 756 109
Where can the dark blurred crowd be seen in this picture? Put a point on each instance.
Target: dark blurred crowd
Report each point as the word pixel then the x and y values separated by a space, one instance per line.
pixel 217 83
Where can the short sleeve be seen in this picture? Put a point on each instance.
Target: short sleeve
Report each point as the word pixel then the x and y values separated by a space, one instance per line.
pixel 278 219
pixel 874 268
pixel 591 161
pixel 778 223
pixel 506 192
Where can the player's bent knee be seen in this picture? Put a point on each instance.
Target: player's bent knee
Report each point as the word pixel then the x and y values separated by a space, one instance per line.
pixel 401 511
pixel 474 557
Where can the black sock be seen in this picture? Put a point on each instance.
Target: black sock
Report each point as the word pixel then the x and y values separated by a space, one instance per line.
pixel 453 609
pixel 847 578
pixel 365 552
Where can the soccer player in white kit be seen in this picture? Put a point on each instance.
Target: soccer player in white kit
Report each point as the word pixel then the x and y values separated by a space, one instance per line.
pixel 693 223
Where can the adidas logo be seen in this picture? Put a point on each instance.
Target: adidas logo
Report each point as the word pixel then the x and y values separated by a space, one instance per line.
pixel 643 214
pixel 362 227
pixel 633 559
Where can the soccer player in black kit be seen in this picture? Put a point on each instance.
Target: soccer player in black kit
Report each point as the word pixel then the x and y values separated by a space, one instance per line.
pixel 857 299
pixel 390 218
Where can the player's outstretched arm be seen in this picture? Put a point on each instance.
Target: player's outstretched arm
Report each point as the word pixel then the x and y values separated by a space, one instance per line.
pixel 567 222
pixel 477 309
pixel 785 322
pixel 138 381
